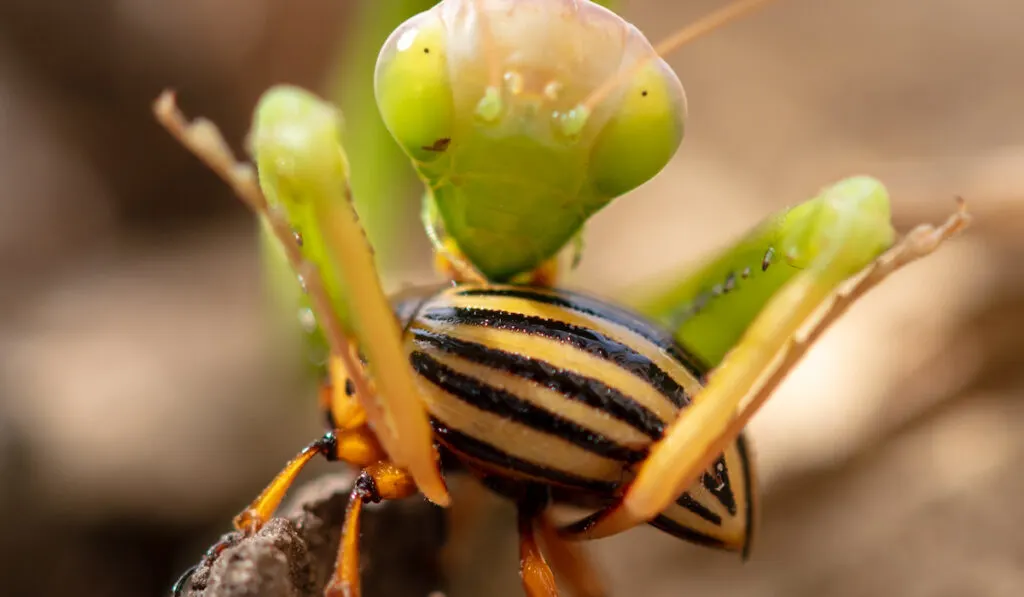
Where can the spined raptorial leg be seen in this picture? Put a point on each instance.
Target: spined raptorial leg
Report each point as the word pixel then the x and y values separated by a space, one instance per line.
pixel 768 351
pixel 295 128
pixel 379 481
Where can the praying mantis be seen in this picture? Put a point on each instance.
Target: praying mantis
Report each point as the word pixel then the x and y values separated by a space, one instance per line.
pixel 523 120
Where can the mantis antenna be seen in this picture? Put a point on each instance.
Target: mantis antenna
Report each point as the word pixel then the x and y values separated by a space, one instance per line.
pixel 493 74
pixel 687 34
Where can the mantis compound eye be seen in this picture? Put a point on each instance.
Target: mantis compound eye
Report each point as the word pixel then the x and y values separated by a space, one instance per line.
pixel 643 133
pixel 413 88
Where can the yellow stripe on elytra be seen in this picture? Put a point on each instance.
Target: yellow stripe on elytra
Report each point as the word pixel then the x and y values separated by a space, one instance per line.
pixel 519 441
pixel 733 529
pixel 734 466
pixel 730 532
pixel 565 357
pixel 585 416
pixel 616 332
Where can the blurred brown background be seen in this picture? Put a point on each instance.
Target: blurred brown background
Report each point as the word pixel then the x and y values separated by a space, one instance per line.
pixel 139 410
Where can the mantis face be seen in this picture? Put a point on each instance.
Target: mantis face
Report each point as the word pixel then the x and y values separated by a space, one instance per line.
pixel 525 118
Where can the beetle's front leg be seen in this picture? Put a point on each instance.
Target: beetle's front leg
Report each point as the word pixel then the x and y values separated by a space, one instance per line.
pixel 766 353
pixel 357 446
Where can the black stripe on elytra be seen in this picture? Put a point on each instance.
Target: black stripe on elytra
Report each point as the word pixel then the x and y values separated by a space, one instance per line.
pixel 572 385
pixel 720 487
pixel 688 502
pixel 471 447
pixel 508 406
pixel 585 305
pixel 666 524
pixel 750 493
pixel 587 340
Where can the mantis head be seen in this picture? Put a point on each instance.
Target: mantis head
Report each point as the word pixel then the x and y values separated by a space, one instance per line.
pixel 525 118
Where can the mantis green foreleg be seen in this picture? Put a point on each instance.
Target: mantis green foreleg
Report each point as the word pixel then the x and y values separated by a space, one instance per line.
pixel 775 338
pixel 303 176
pixel 303 169
pixel 839 232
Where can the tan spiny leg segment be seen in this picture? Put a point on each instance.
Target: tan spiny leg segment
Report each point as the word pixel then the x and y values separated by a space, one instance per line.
pixel 754 368
pixel 393 407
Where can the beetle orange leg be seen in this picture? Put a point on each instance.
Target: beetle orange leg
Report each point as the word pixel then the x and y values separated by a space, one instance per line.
pixel 356 446
pixel 378 481
pixel 263 507
pixel 538 580
pixel 766 353
pixel 570 561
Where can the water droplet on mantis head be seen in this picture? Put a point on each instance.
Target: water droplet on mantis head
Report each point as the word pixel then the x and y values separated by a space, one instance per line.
pixel 514 82
pixel 406 40
pixel 490 106
pixel 552 90
pixel 570 124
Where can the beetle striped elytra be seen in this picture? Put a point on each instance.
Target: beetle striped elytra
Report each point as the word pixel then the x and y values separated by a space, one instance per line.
pixel 560 389
pixel 550 397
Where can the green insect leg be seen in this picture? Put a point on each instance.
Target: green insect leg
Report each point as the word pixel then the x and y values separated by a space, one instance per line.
pixel 304 172
pixel 767 350
pixel 837 233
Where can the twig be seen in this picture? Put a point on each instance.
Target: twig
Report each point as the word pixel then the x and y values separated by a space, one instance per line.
pixel 294 555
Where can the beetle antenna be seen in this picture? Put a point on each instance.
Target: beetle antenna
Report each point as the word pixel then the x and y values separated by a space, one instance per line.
pixel 680 38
